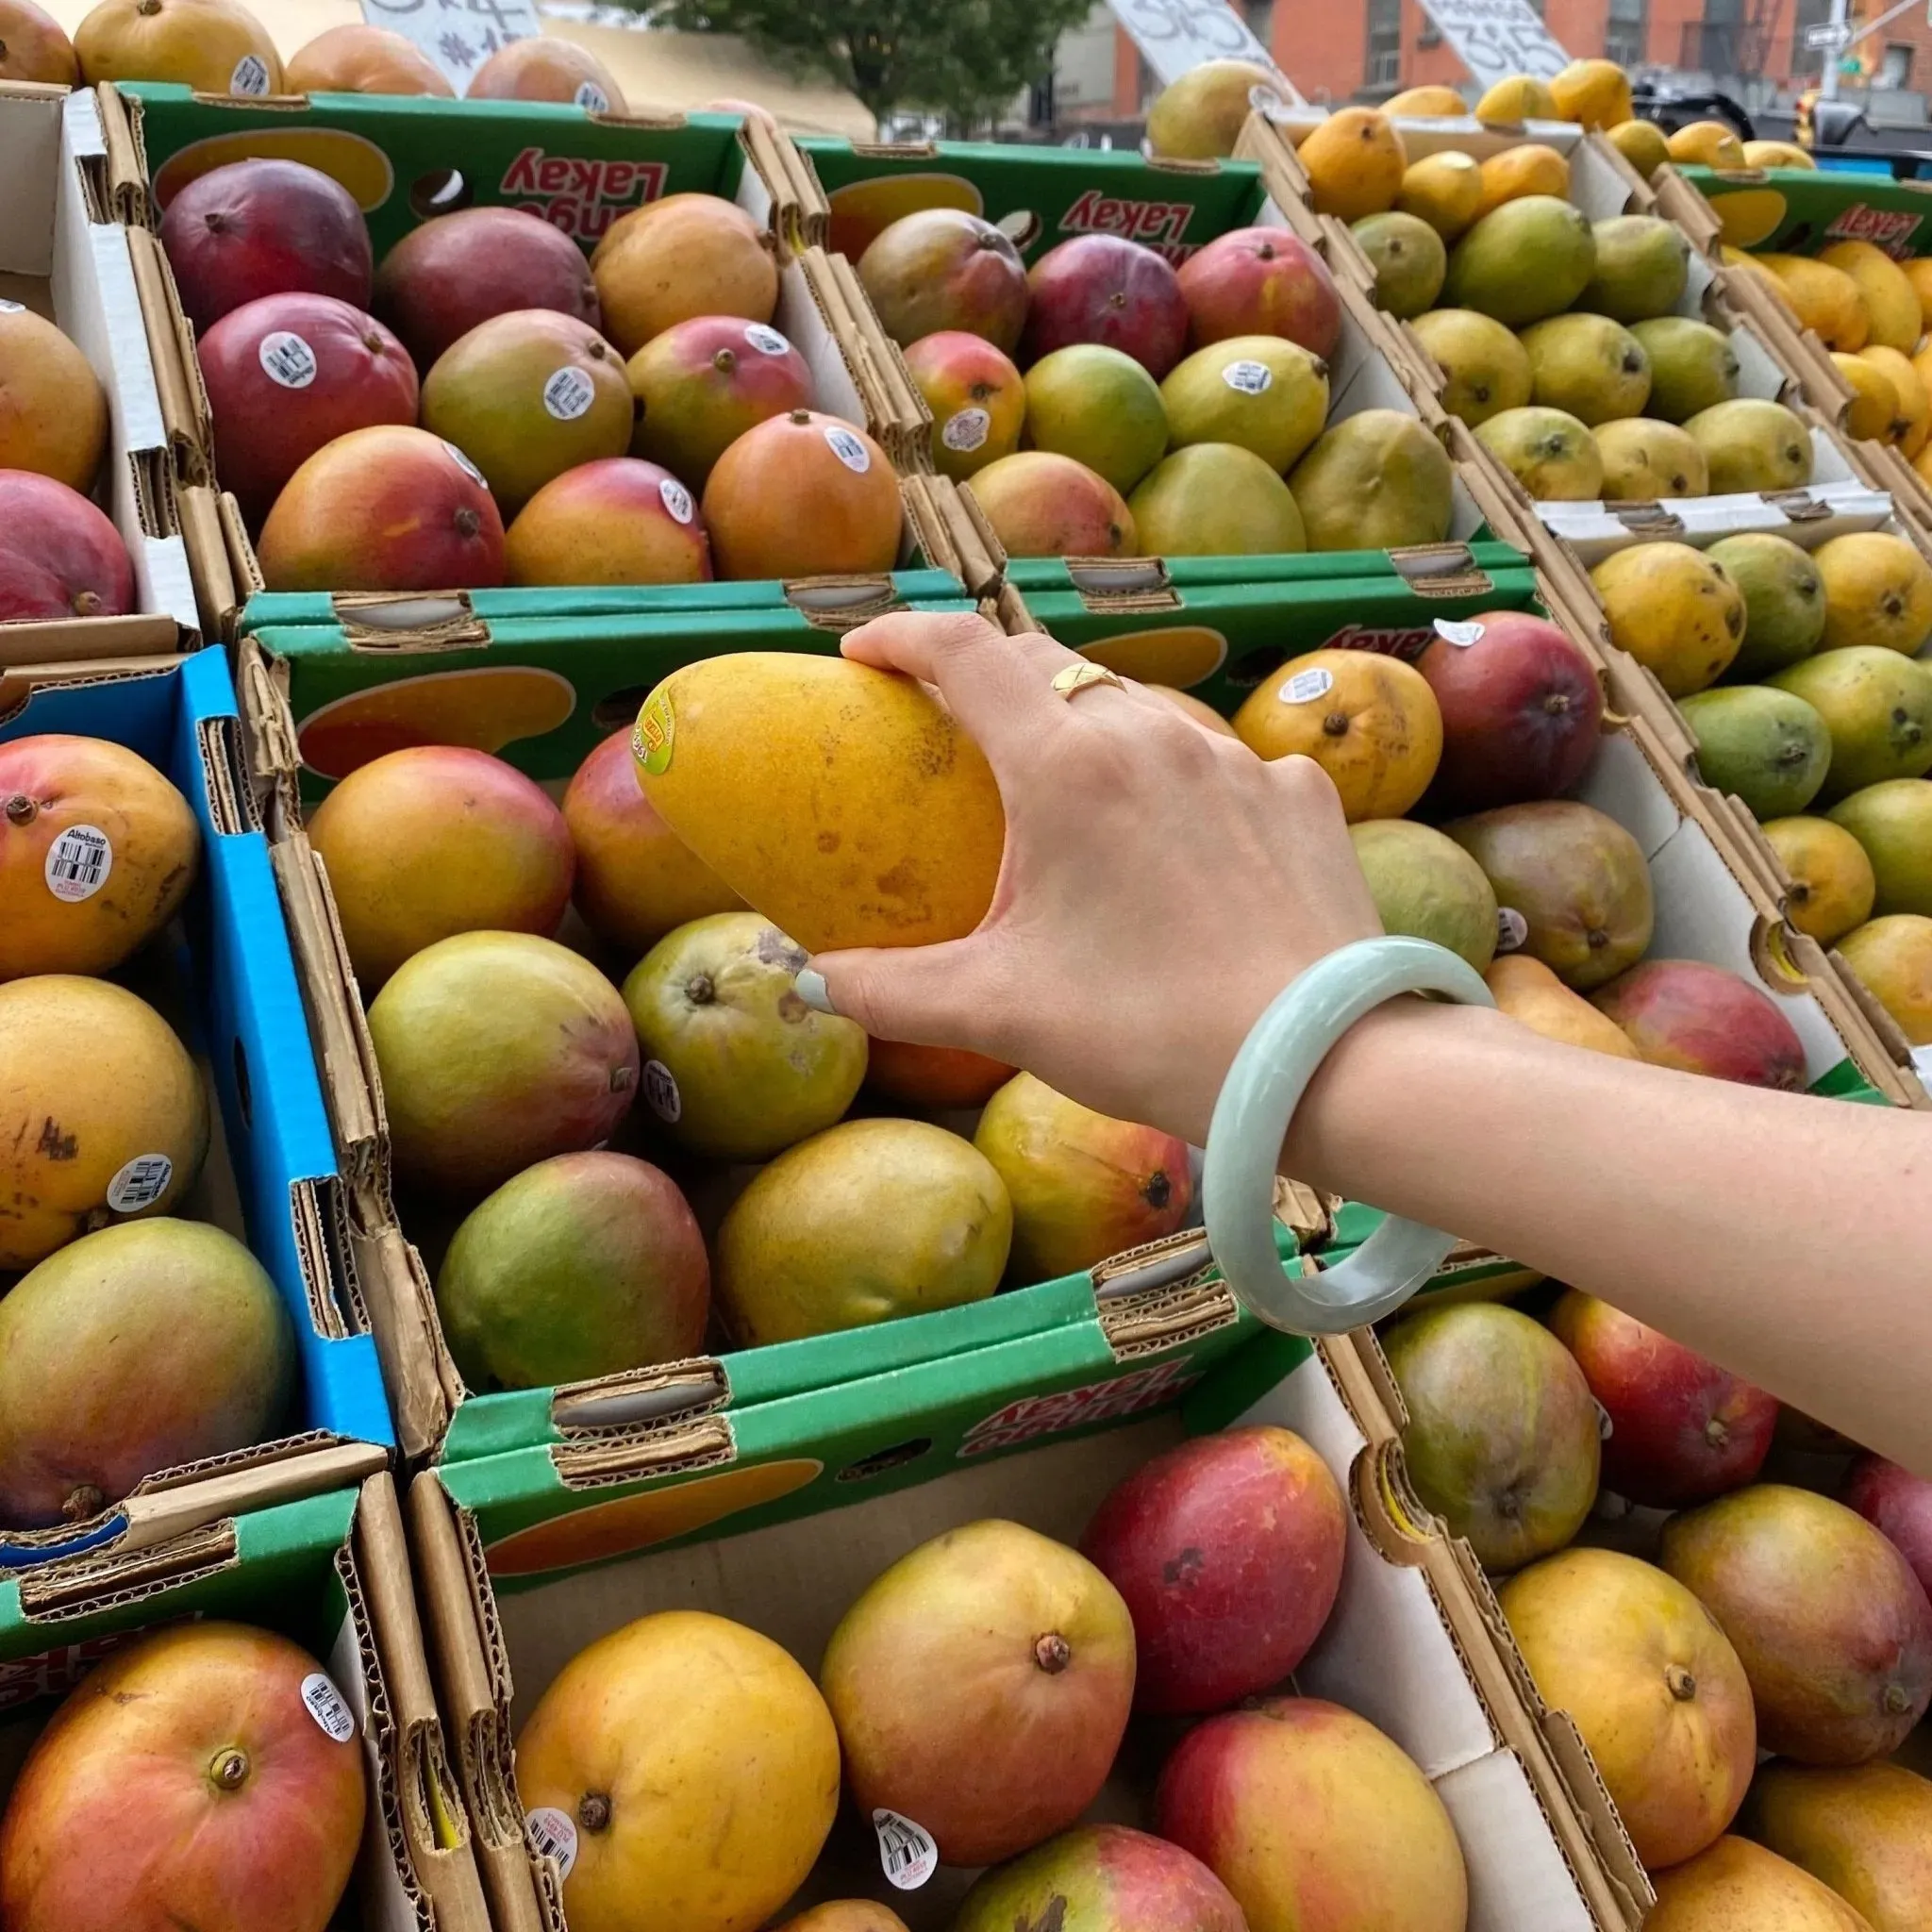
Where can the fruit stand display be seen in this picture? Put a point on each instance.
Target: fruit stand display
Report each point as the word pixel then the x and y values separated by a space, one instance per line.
pixel 184 1308
pixel 260 1674
pixel 750 436
pixel 319 701
pixel 1722 895
pixel 1190 379
pixel 708 1568
pixel 1617 329
pixel 91 551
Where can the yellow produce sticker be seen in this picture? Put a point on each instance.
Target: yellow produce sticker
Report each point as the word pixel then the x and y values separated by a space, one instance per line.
pixel 650 743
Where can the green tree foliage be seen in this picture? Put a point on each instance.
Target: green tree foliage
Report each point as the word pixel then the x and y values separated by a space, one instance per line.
pixel 963 58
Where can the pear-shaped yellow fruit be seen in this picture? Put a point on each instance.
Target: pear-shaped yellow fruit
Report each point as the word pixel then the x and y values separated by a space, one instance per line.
pixel 843 803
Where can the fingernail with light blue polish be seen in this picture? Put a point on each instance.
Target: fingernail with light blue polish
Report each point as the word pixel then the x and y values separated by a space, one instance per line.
pixel 811 990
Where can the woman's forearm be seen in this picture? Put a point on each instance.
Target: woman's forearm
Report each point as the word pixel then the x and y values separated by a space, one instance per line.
pixel 1737 1221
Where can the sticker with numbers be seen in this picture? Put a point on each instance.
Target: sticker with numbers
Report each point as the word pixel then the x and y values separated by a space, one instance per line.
pixel 765 340
pixel 78 862
pixel 1305 686
pixel 966 430
pixel 1463 634
pixel 589 95
pixel 286 358
pixel 677 500
pixel 554 1835
pixel 848 448
pixel 661 1092
pixel 1251 378
pixel 250 76
pixel 328 1706
pixel 464 464
pixel 907 1853
pixel 140 1183
pixel 1511 929
pixel 650 742
pixel 568 395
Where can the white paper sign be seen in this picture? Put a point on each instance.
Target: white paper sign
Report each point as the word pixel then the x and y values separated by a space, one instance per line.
pixel 1176 36
pixel 1496 38
pixel 457 34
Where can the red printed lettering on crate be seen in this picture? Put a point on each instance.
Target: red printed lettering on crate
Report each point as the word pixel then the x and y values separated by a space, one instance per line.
pixel 1072 1409
pixel 56 1671
pixel 580 196
pixel 1159 225
pixel 1887 230
pixel 1404 641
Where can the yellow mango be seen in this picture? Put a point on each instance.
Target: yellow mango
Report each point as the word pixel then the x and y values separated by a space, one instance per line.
pixel 1913 423
pixel 843 803
pixel 1892 304
pixel 1641 144
pixel 1919 273
pixel 1355 163
pixel 1445 189
pixel 1825 299
pixel 1874 413
pixel 1776 153
pixel 1530 169
pixel 1518 97
pixel 1420 103
pixel 1529 992
pixel 1707 141
pixel 1596 92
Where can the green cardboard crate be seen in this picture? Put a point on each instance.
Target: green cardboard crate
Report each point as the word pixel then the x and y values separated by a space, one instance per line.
pixel 1043 196
pixel 525 1561
pixel 1800 210
pixel 408 160
pixel 327 1567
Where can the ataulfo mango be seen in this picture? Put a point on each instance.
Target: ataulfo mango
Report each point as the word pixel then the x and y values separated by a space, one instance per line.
pixel 841 801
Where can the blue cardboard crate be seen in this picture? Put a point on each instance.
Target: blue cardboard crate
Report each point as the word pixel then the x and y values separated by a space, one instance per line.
pixel 246 1024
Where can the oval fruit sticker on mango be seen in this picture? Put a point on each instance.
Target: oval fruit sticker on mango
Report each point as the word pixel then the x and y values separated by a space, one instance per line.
pixel 650 743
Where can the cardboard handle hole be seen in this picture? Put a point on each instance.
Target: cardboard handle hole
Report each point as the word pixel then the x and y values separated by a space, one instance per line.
pixel 441 191
pixel 618 711
pixel 1247 671
pixel 1021 228
pixel 882 1460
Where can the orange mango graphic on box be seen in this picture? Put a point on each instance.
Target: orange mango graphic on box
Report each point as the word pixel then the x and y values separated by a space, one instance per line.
pixel 485 709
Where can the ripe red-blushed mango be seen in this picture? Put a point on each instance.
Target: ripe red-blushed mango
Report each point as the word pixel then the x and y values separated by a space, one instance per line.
pixel 357 58
pixel 59 556
pixel 53 410
pixel 944 270
pixel 803 494
pixel 545 67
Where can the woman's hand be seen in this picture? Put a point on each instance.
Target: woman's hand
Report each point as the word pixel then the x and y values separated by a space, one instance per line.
pixel 1160 885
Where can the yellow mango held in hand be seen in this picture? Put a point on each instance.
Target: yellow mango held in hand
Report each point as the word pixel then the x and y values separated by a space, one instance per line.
pixel 843 803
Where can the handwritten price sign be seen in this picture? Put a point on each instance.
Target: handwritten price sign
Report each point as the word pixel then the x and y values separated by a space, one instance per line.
pixel 1497 37
pixel 1176 36
pixel 457 34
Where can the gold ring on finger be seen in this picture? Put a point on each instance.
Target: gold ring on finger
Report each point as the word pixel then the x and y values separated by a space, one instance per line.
pixel 1076 679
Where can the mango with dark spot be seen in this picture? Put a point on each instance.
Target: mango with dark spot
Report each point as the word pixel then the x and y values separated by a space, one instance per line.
pixel 1101 1878
pixel 1501 1436
pixel 750 757
pixel 103 1115
pixel 1229 1552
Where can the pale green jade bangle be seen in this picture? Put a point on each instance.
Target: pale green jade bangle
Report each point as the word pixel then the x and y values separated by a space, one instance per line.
pixel 1257 1100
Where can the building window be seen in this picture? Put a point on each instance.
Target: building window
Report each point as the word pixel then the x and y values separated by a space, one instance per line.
pixel 1895 68
pixel 1625 30
pixel 1260 19
pixel 1385 44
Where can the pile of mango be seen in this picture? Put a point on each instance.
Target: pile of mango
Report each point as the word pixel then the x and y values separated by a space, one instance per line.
pixel 1559 340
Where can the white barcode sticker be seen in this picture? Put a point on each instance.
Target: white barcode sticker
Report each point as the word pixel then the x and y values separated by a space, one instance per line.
pixel 554 1835
pixel 1251 378
pixel 661 1092
pixel 590 95
pixel 848 448
pixel 1511 929
pixel 328 1706
pixel 78 862
pixel 250 76
pixel 966 430
pixel 906 1852
pixel 8 307
pixel 140 1183
pixel 1463 634
pixel 1305 686
pixel 464 464
pixel 1605 1427
pixel 677 500
pixel 765 340
pixel 568 395
pixel 286 358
